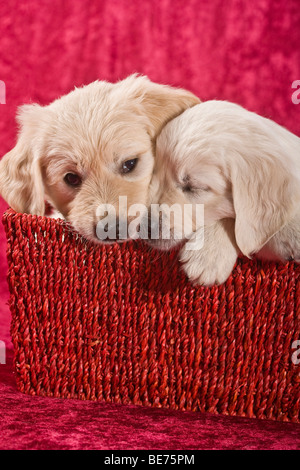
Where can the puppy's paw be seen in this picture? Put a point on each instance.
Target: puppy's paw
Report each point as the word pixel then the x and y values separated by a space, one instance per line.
pixel 207 268
pixel 284 245
pixel 213 255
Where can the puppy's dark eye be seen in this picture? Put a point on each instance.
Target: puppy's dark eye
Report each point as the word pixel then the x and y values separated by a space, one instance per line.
pixel 129 165
pixel 72 179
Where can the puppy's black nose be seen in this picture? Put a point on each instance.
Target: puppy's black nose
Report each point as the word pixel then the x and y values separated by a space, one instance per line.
pixel 154 227
pixel 107 232
pixel 117 230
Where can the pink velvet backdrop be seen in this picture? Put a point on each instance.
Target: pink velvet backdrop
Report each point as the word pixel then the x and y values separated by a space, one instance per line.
pixel 246 52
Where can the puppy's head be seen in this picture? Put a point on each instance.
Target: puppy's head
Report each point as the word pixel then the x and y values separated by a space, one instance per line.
pixel 235 163
pixel 89 147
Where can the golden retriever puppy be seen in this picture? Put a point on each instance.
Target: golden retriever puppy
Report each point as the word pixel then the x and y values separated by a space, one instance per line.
pixel 88 148
pixel 245 170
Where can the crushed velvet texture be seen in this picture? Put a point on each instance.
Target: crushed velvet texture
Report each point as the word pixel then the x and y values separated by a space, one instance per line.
pixel 241 51
pixel 49 423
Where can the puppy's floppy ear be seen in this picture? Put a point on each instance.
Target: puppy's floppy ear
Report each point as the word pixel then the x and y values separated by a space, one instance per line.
pixel 265 197
pixel 160 103
pixel 20 173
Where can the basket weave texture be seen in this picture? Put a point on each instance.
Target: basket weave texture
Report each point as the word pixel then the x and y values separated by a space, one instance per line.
pixel 121 323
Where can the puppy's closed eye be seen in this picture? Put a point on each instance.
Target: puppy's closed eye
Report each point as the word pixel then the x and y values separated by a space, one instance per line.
pixel 189 187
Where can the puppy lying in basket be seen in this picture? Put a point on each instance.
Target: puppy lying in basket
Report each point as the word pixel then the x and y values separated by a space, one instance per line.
pixel 88 148
pixel 245 169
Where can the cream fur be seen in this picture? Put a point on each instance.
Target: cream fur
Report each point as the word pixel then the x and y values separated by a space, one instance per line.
pixel 90 132
pixel 243 168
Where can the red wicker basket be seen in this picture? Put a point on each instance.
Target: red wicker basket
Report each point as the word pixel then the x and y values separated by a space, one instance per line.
pixel 122 324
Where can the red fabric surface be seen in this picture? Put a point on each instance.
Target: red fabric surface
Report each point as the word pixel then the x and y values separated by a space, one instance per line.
pixel 49 423
pixel 237 50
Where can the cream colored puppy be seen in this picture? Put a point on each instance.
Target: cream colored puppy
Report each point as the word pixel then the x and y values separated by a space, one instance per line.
pixel 88 148
pixel 245 169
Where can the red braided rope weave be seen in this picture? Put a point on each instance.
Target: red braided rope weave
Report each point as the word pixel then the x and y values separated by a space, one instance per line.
pixel 120 323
